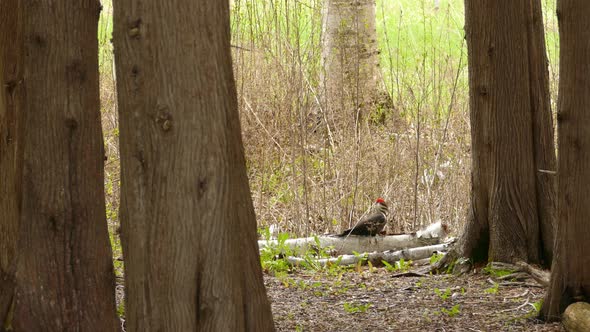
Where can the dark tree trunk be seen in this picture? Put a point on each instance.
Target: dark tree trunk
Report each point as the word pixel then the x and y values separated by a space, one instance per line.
pixel 10 163
pixel 64 277
pixel 570 274
pixel 188 224
pixel 512 200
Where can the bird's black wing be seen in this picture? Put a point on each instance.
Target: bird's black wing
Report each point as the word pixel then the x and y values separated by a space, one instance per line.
pixel 369 225
pixel 358 230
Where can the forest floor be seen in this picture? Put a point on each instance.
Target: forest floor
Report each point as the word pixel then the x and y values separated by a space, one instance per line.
pixel 373 300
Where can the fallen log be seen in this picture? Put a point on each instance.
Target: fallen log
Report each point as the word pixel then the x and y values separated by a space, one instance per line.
pixel 376 258
pixel 576 317
pixel 431 235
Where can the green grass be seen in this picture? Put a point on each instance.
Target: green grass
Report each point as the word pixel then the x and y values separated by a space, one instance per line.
pixel 352 308
pixel 497 272
pixel 105 33
pixel 418 40
pixel 413 33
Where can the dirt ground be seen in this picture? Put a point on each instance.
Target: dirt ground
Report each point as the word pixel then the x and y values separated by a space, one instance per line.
pixel 376 301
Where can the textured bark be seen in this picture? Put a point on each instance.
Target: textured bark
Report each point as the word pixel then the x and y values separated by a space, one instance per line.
pixel 64 277
pixel 570 274
pixel 185 202
pixel 350 57
pixel 512 203
pixel 9 163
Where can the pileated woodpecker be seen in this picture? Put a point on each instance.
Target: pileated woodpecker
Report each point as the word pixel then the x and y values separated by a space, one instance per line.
pixel 372 223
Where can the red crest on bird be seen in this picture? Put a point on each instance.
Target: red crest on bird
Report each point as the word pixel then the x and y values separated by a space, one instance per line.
pixel 380 200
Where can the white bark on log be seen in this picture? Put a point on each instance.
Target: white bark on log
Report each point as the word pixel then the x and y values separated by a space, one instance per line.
pixel 377 257
pixel 431 235
pixel 576 317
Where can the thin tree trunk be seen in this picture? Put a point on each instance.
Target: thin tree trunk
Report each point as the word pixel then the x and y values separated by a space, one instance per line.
pixel 543 137
pixel 511 205
pixel 570 274
pixel 10 164
pixel 186 211
pixel 64 273
pixel 350 57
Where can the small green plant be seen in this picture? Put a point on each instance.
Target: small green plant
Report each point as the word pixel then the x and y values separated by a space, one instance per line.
pixel 536 310
pixel 362 258
pixel 311 256
pixel 341 290
pixel 403 266
pixel 435 258
pixel 454 311
pixel 321 252
pixel 282 277
pixel 316 284
pixel 335 269
pixel 377 116
pixel 352 308
pixel 493 289
pixel 121 309
pixel 388 266
pixel 444 295
pixel 273 257
pixel 301 285
pixel 264 232
pixel 451 266
pixel 400 266
pixel 371 267
pixel 497 273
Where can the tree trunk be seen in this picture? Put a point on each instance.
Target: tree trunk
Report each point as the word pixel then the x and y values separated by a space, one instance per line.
pixel 570 276
pixel 350 58
pixel 543 137
pixel 64 277
pixel 10 76
pixel 512 199
pixel 186 211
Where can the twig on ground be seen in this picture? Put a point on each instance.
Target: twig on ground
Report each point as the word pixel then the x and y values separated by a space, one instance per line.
pixel 517 308
pixel 520 284
pixel 516 296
